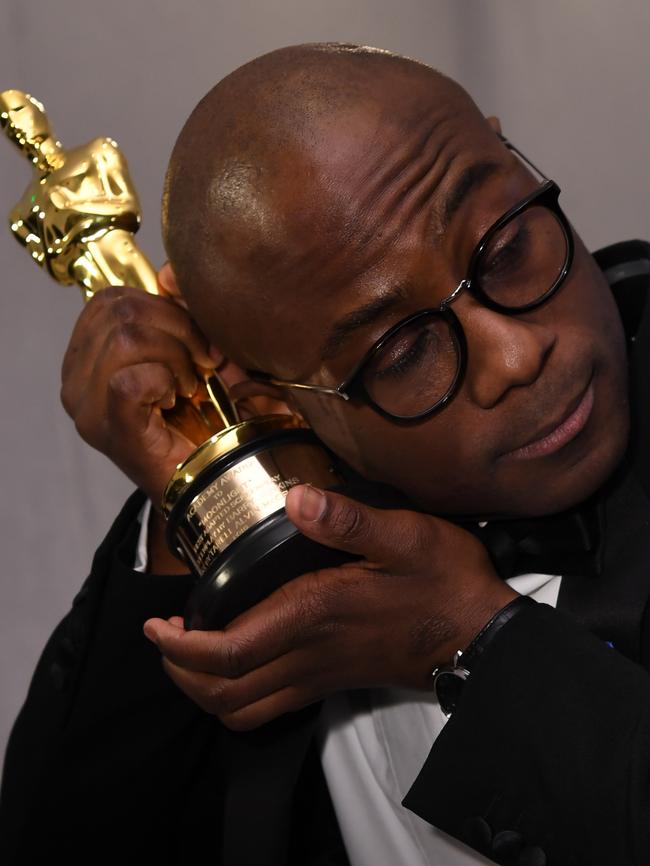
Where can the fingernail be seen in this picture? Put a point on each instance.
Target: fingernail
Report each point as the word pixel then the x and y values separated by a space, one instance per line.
pixel 191 391
pixel 151 633
pixel 312 503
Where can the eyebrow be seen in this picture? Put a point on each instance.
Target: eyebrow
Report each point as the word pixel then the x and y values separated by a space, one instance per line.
pixel 469 179
pixel 362 317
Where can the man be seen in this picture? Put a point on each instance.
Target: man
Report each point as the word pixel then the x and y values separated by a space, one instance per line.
pixel 346 219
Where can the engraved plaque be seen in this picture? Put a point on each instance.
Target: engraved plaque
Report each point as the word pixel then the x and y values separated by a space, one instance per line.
pixel 246 494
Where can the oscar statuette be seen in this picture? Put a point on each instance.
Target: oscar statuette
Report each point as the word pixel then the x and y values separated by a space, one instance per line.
pixel 224 504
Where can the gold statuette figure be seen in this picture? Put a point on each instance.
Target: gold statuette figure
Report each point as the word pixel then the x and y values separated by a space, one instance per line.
pixel 77 219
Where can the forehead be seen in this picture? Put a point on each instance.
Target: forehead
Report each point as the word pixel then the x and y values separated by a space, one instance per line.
pixel 331 209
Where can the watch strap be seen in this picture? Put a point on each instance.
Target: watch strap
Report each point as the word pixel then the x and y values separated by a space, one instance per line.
pixel 449 680
pixel 490 630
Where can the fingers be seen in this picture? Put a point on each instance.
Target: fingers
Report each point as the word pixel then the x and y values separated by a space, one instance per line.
pixel 266 399
pixel 119 306
pixel 284 685
pixel 381 536
pixel 215 697
pixel 153 448
pixel 134 393
pixel 135 389
pixel 129 356
pixel 195 650
pixel 301 613
pixel 222 695
pixel 215 652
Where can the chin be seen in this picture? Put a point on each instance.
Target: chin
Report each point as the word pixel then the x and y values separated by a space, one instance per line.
pixel 576 475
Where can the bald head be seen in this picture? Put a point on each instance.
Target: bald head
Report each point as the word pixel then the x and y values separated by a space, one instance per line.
pixel 322 196
pixel 262 176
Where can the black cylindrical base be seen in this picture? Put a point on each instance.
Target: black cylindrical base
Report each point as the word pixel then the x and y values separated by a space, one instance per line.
pixel 272 554
pixel 268 556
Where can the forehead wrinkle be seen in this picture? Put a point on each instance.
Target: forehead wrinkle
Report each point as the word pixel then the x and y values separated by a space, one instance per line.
pixel 385 172
pixel 394 179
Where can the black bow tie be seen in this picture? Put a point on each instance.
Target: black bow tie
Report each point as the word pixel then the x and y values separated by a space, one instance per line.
pixel 565 543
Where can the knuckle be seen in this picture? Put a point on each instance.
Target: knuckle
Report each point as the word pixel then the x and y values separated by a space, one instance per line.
pixel 314 604
pixel 106 297
pixel 316 608
pixel 346 522
pixel 99 303
pixel 125 337
pixel 233 659
pixel 124 384
pixel 126 308
pixel 418 535
pixel 219 699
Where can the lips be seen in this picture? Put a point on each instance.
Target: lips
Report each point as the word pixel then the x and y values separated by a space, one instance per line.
pixel 555 435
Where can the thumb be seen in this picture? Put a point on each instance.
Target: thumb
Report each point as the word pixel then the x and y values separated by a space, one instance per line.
pixel 379 535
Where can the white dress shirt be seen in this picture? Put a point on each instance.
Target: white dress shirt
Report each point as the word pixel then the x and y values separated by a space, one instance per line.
pixel 373 744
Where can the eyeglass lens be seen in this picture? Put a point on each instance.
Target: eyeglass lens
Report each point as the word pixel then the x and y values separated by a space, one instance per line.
pixel 417 367
pixel 524 259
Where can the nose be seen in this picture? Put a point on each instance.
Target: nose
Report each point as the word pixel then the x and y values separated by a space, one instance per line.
pixel 504 351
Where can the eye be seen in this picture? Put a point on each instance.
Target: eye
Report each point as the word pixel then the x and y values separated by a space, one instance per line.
pixel 507 251
pixel 399 358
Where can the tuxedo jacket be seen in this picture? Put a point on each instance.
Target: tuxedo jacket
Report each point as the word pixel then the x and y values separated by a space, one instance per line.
pixel 545 761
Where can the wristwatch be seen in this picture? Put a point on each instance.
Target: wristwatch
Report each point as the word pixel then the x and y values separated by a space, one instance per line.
pixel 449 680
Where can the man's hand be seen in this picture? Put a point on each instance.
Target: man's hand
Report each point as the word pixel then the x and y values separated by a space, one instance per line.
pixel 423 589
pixel 130 354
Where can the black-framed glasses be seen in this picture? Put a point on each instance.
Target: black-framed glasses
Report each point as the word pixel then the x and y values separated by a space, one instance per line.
pixel 417 366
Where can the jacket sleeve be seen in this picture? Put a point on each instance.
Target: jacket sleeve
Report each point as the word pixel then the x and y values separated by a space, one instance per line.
pixel 108 761
pixel 547 758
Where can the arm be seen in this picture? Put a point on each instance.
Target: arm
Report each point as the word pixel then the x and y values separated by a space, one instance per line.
pixel 548 753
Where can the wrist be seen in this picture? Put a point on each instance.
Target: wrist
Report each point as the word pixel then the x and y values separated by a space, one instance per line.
pixel 449 679
pixel 475 616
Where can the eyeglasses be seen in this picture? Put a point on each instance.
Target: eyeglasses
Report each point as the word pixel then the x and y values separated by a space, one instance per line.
pixel 418 365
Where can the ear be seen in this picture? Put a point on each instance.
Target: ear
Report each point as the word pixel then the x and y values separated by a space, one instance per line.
pixel 495 123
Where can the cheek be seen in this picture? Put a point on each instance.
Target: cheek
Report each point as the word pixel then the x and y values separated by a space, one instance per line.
pixel 434 467
pixel 589 323
pixel 588 301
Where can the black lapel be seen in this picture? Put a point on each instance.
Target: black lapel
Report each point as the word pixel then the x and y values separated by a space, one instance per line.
pixel 262 768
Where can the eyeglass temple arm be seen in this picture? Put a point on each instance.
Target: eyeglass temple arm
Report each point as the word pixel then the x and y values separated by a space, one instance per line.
pixel 521 156
pixel 258 376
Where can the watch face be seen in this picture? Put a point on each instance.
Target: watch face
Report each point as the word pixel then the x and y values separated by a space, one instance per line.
pixel 449 687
